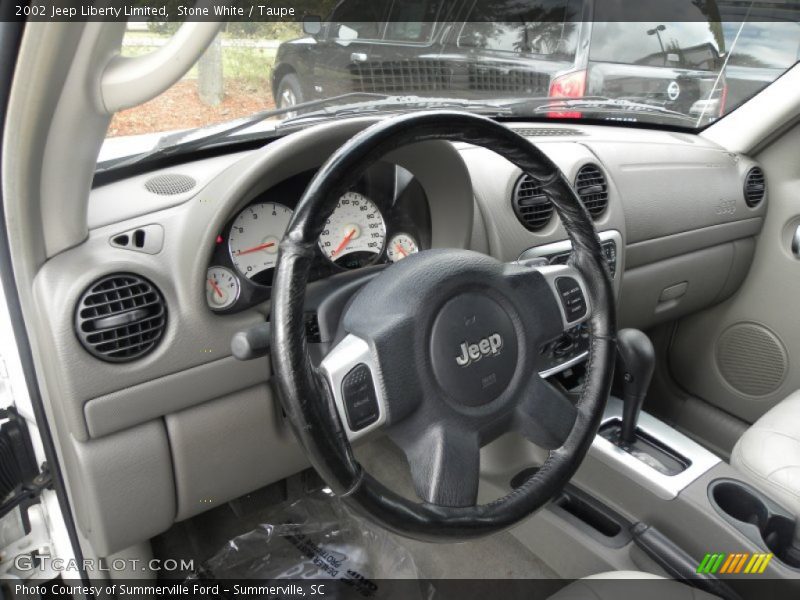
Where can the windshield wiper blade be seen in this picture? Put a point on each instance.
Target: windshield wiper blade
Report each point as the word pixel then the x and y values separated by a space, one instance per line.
pixel 397 103
pixel 600 104
pixel 178 142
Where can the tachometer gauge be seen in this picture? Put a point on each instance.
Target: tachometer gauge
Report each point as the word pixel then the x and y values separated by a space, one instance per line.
pixel 401 246
pixel 355 233
pixel 254 238
pixel 222 288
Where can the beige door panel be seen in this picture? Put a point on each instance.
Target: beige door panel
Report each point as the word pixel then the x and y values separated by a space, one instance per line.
pixel 742 355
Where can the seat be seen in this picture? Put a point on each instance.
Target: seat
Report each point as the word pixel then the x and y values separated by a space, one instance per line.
pixel 768 454
pixel 629 584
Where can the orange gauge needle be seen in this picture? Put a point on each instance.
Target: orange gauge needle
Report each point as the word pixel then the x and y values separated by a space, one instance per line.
pixel 400 250
pixel 216 287
pixel 256 248
pixel 344 243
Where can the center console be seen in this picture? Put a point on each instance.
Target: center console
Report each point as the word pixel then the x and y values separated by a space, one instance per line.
pixel 691 460
pixel 622 511
pixel 647 496
pixel 666 462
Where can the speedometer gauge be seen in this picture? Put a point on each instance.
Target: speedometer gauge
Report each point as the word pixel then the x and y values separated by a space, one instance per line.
pixel 355 233
pixel 254 238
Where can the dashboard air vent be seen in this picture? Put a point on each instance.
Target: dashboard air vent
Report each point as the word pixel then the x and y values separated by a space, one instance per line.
pixel 592 189
pixel 532 207
pixel 754 187
pixel 169 184
pixel 120 318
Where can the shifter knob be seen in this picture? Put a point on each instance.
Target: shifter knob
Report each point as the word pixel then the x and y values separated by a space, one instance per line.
pixel 638 359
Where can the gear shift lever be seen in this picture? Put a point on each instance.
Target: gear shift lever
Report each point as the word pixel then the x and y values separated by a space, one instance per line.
pixel 637 358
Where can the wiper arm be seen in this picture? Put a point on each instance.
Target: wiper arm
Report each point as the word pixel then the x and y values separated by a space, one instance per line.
pixel 173 143
pixel 600 104
pixel 394 103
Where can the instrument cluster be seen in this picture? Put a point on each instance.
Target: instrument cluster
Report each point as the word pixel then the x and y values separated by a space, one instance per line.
pixel 383 219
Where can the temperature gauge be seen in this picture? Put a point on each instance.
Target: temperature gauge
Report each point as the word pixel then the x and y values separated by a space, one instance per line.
pixel 222 288
pixel 400 246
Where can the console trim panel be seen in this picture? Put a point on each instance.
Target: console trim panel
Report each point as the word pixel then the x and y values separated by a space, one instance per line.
pixel 664 486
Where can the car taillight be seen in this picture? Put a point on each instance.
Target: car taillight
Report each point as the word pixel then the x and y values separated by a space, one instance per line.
pixel 568 85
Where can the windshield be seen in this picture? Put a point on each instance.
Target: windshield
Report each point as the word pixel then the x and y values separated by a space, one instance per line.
pixel 538 59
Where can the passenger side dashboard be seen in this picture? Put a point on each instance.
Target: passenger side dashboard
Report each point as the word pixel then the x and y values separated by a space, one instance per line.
pixel 676 201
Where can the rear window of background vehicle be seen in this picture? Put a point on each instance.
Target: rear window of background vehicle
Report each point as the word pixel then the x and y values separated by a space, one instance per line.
pixel 412 20
pixel 351 13
pixel 684 45
pixel 539 27
pixel 766 45
pixel 407 21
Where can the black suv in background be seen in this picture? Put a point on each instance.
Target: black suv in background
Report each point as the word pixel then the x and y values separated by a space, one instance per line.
pixel 507 48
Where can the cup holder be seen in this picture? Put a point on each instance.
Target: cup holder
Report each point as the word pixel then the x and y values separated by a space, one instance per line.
pixel 736 501
pixel 756 516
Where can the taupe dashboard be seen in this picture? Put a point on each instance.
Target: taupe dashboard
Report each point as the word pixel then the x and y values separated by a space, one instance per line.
pixel 673 208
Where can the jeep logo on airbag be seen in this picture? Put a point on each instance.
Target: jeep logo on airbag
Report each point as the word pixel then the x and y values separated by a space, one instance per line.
pixel 473 349
pixel 488 346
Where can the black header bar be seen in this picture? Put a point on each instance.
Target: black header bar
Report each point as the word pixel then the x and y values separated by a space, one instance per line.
pixel 555 11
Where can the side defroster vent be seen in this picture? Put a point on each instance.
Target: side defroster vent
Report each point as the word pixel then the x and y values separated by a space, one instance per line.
pixel 590 183
pixel 532 207
pixel 755 187
pixel 120 318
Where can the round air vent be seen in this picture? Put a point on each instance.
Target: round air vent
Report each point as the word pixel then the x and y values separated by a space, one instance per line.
pixel 590 183
pixel 120 318
pixel 532 207
pixel 169 184
pixel 755 187
pixel 751 359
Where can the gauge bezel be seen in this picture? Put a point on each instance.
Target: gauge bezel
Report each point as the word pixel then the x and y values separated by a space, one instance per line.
pixel 228 240
pixel 238 288
pixel 394 237
pixel 377 255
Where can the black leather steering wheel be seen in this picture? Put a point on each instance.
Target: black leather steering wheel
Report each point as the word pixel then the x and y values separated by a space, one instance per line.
pixel 441 350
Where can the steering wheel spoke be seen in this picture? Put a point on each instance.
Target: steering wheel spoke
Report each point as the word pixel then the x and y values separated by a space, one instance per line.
pixel 444 460
pixel 567 286
pixel 545 415
pixel 356 384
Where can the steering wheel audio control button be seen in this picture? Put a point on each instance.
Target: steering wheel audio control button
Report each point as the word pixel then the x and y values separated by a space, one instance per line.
pixel 572 299
pixel 360 400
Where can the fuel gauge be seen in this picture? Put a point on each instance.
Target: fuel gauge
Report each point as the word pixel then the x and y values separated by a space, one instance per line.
pixel 222 288
pixel 401 246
